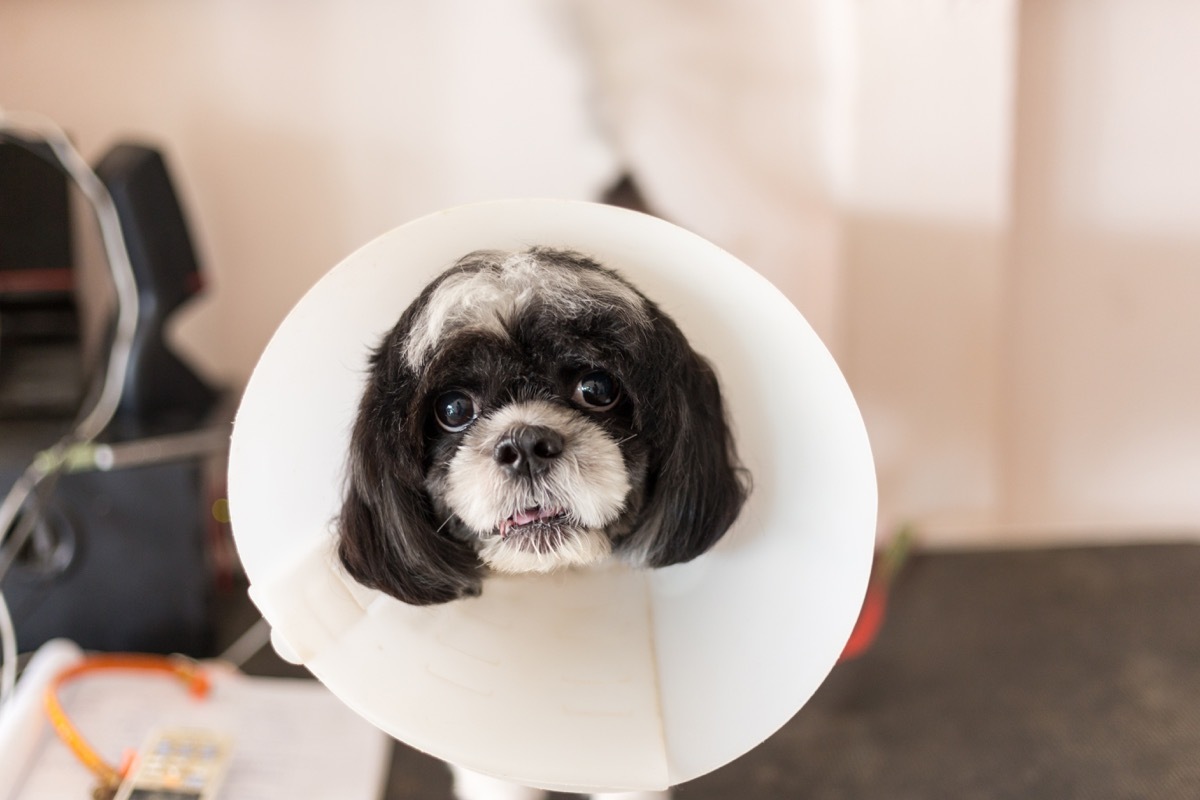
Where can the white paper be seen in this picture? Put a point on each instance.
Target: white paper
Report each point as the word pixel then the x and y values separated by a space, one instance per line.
pixel 291 737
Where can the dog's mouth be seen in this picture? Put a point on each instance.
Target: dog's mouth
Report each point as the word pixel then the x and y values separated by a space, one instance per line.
pixel 541 529
pixel 536 520
pixel 542 539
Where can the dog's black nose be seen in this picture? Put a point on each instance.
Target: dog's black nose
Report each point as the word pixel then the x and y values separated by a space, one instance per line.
pixel 528 450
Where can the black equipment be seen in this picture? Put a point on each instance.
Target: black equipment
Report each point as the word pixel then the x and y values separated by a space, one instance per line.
pixel 118 559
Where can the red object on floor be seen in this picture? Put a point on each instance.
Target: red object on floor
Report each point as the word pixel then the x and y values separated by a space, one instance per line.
pixel 870 620
pixel 874 609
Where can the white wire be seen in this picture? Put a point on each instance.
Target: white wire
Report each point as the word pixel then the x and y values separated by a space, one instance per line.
pixel 115 250
pixel 8 672
pixel 125 286
pixel 105 407
pixel 11 508
pixel 254 638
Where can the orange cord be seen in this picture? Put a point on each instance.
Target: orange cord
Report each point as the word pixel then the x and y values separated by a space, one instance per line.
pixel 188 671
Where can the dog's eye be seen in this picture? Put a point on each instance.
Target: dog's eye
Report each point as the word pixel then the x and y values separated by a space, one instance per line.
pixel 454 411
pixel 598 391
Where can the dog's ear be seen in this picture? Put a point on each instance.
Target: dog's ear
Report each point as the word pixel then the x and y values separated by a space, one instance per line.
pixel 696 486
pixel 386 536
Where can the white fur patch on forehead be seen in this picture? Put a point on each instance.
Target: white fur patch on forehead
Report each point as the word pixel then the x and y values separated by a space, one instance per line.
pixel 491 298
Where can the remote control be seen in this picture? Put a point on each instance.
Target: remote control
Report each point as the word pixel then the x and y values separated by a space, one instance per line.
pixel 178 764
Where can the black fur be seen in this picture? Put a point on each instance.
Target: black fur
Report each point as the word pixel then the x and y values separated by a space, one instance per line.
pixel 395 536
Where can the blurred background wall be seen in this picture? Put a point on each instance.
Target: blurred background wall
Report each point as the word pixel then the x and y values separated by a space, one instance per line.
pixel 989 209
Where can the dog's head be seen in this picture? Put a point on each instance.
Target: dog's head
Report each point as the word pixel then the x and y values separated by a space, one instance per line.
pixel 531 411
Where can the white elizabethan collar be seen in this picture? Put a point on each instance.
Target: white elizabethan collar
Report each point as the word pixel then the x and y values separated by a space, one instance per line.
pixel 588 681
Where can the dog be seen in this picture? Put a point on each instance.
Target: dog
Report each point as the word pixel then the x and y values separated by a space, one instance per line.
pixel 532 411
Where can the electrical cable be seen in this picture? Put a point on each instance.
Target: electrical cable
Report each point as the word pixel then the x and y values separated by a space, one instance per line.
pixel 40 484
pixel 38 478
pixel 254 638
pixel 8 637
pixel 124 283
pixel 108 775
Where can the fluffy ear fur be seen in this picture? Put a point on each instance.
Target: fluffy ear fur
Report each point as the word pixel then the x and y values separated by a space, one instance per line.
pixel 387 537
pixel 696 486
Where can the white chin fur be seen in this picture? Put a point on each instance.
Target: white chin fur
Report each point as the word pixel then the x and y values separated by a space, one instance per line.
pixel 573 548
pixel 588 481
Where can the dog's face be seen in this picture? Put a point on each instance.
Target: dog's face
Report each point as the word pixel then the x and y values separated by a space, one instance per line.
pixel 532 411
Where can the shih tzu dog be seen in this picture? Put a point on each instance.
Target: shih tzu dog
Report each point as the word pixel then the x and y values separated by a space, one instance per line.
pixel 532 411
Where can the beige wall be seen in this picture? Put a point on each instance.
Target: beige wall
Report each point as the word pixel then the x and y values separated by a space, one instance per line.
pixel 1102 422
pixel 990 210
pixel 299 131
pixel 1023 267
pixel 926 247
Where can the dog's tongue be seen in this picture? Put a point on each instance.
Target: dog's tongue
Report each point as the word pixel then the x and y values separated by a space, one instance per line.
pixel 528 515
